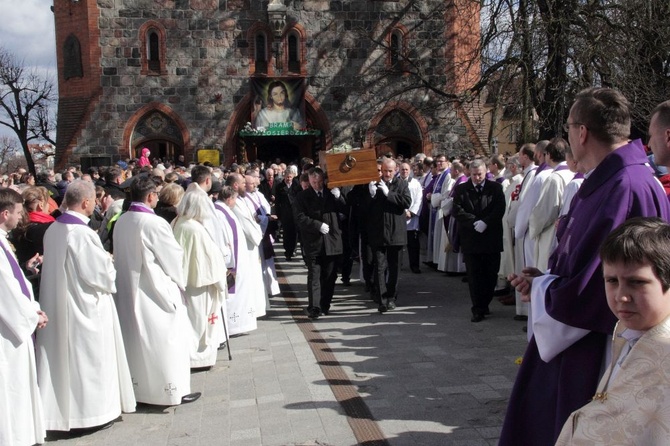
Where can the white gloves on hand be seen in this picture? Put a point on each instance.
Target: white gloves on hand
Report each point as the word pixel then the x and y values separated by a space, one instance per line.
pixel 373 188
pixel 384 188
pixel 324 229
pixel 480 226
pixel 336 192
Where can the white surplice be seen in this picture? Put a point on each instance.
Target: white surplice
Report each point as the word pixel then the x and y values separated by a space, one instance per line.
pixel 205 273
pixel 240 303
pixel 542 223
pixel 252 240
pixel 258 205
pixel 21 416
pixel 438 200
pixel 151 309
pixel 82 369
pixel 507 258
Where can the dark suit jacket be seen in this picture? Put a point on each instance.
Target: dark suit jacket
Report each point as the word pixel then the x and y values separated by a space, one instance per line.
pixel 386 220
pixel 489 207
pixel 311 212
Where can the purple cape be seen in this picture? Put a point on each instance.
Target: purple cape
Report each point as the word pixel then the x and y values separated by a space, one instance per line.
pixel 545 394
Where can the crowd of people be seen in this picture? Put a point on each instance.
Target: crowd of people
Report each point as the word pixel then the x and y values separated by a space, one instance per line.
pixel 121 279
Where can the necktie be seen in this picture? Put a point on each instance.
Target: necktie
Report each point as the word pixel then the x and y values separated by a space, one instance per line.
pixel 479 188
pixel 319 194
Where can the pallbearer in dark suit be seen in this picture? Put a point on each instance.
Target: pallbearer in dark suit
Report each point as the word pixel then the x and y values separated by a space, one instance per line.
pixel 479 206
pixel 321 238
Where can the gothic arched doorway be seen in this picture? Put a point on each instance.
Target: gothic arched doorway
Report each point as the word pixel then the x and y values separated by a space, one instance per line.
pixel 160 134
pixel 398 133
pixel 286 149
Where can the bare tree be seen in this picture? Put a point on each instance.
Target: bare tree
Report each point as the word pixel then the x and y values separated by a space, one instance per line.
pixel 25 99
pixel 7 152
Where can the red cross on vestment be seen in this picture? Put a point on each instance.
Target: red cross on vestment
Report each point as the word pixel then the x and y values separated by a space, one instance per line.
pixel 212 318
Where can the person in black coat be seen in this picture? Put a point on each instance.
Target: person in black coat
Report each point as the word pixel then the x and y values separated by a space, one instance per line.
pixel 284 191
pixel 478 208
pixel 387 232
pixel 316 210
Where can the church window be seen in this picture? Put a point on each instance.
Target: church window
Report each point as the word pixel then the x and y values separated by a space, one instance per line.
pixel 72 66
pixel 293 53
pixel 153 49
pixel 396 45
pixel 261 54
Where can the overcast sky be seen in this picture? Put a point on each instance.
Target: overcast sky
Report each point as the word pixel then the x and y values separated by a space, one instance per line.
pixel 27 31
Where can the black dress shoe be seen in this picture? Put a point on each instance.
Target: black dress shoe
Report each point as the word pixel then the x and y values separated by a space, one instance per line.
pixel 222 346
pixel 520 317
pixel 313 313
pixel 390 305
pixel 382 308
pixel 190 397
pixel 416 270
pixel 477 318
pixel 346 282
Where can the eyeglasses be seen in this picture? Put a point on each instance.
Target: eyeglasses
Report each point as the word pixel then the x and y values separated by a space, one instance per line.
pixel 566 126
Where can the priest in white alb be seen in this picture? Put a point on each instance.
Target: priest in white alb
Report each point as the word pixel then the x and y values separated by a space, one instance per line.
pixel 241 286
pixel 21 417
pixel 205 274
pixel 81 362
pixel 149 282
pixel 253 236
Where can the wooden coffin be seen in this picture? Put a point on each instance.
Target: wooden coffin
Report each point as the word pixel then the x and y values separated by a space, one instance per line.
pixel 350 168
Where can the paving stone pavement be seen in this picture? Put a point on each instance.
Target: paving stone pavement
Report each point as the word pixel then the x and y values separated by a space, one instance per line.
pixel 426 373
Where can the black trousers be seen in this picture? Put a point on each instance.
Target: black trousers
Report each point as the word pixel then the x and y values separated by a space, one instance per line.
pixel 385 273
pixel 413 249
pixel 321 275
pixel 482 270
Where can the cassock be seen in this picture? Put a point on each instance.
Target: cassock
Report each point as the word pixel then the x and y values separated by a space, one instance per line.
pixel 21 417
pixel 149 283
pixel 240 302
pixel 450 259
pixel 82 369
pixel 253 235
pixel 632 406
pixel 205 273
pixel 560 370
pixel 440 195
pixel 542 223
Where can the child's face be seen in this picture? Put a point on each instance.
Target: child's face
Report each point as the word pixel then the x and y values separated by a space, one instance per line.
pixel 635 295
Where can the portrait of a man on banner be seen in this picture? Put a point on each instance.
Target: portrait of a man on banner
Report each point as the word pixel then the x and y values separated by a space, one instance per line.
pixel 278 103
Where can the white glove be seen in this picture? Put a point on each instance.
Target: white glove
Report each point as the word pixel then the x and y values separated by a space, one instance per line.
pixel 384 188
pixel 324 229
pixel 336 192
pixel 480 226
pixel 373 188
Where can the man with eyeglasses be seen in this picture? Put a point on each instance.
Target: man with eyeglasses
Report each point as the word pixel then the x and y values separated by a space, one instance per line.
pixel 570 318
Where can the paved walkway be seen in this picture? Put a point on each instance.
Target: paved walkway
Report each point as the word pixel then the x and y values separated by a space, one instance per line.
pixel 422 374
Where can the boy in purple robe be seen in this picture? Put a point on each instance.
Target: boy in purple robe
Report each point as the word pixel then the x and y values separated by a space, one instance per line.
pixel 571 319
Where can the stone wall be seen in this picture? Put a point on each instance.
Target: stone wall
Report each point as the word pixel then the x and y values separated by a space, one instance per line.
pixel 208 59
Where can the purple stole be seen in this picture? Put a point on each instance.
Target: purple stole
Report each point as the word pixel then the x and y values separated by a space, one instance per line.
pixel 136 208
pixel 233 225
pixel 68 219
pixel 16 270
pixel 424 215
pixel 500 180
pixel 438 186
pixel 541 167
pixel 561 167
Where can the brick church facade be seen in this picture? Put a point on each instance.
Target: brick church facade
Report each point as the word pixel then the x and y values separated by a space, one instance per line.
pixel 175 76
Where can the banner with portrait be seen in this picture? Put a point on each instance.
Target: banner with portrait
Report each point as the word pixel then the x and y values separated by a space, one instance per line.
pixel 278 106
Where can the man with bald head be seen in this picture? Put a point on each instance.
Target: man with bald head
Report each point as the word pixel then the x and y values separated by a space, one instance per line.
pixel 387 232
